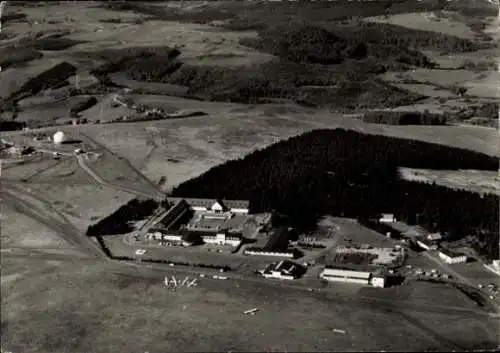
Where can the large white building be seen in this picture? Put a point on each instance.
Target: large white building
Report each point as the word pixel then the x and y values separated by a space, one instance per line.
pixel 349 276
pixel 375 279
pixel 451 257
pixel 216 206
pixel 208 238
pixel 222 239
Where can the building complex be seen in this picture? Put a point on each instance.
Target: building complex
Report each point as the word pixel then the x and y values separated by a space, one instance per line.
pixel 211 221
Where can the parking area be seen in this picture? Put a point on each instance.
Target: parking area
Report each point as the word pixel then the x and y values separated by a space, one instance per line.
pixel 194 255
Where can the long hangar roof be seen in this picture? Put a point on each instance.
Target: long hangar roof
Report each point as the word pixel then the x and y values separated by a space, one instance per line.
pixel 346 273
pixel 209 202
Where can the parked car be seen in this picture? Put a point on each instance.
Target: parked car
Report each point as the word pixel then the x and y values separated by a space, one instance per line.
pixel 140 252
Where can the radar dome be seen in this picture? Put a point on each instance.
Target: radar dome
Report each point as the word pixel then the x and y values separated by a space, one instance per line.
pixel 59 137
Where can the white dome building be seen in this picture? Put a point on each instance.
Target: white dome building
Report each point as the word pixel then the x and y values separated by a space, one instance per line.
pixel 59 137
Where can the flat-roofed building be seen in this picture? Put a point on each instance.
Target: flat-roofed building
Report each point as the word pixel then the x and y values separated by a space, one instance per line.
pixel 378 280
pixel 222 239
pixel 345 275
pixel 276 245
pixel 434 236
pixel 387 218
pixel 452 257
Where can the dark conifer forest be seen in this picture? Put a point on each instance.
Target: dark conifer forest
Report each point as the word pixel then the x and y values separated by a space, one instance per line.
pixel 346 173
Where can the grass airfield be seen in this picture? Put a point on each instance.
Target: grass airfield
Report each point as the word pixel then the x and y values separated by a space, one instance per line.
pixel 92 309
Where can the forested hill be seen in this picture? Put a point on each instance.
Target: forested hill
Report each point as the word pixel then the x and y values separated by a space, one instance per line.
pixel 351 174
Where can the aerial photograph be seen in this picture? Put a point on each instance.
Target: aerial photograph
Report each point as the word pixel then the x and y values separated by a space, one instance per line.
pixel 249 176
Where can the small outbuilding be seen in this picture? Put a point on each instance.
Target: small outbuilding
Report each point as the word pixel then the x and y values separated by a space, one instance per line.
pixel 283 270
pixel 387 218
pixel 434 236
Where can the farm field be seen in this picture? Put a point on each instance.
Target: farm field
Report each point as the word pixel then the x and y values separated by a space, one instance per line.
pixel 457 60
pixel 159 88
pixel 478 84
pixel 104 110
pixel 441 22
pixel 479 181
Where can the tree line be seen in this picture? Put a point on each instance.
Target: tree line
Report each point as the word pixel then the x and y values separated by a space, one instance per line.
pixel 120 221
pixel 404 118
pixel 346 173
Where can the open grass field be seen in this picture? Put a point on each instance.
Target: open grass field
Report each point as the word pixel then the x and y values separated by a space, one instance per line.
pixel 161 320
pixel 88 202
pixel 422 292
pixel 479 181
pixel 19 230
pixel 486 57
